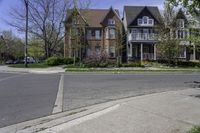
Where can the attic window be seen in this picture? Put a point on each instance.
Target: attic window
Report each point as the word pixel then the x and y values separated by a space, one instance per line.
pixel 150 21
pixel 75 21
pixel 145 19
pixel 139 21
pixel 111 22
pixel 180 23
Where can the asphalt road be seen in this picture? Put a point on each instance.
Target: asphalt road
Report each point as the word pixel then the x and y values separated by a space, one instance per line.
pixel 28 96
pixel 88 89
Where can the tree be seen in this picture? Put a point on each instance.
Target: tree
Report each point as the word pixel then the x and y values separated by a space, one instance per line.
pixel 11 47
pixel 168 46
pixel 76 29
pixel 193 6
pixel 120 41
pixel 45 19
pixel 36 49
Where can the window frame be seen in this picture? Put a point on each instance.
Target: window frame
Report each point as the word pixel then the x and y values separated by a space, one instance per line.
pixel 99 34
pixel 89 34
pixel 111 21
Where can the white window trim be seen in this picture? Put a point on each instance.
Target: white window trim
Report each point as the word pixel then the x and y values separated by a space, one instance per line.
pixel 99 35
pixel 111 22
pixel 108 33
pixel 142 21
pixel 179 21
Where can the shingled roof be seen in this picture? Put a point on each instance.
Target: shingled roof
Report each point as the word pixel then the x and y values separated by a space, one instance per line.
pixel 133 11
pixel 94 17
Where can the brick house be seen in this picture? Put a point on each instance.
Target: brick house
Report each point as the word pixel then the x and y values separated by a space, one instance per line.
pixel 92 31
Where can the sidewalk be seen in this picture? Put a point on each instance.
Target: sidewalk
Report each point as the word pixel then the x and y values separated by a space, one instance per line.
pixel 49 70
pixel 167 112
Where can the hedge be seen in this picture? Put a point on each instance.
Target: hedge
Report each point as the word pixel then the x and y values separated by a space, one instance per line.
pixel 55 61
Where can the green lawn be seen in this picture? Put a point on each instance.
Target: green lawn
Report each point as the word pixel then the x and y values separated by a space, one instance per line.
pixel 195 129
pixel 36 65
pixel 140 70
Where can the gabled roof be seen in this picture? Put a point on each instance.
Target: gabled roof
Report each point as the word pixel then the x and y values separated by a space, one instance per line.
pixel 94 17
pixel 133 11
pixel 181 14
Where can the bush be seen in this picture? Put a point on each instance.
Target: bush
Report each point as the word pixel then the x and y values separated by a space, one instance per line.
pixel 54 61
pixel 195 129
pixel 180 63
pixel 133 64
pixel 97 60
pixel 68 61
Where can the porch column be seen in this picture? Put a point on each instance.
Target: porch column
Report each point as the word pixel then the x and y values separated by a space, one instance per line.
pixel 154 55
pixel 131 50
pixel 141 51
pixel 194 52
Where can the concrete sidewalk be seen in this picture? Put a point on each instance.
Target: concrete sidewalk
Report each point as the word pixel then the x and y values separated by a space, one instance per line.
pixel 168 112
pixel 50 70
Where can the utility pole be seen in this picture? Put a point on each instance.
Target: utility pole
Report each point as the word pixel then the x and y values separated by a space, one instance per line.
pixel 26 34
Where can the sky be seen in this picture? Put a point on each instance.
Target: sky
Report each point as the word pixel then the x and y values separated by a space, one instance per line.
pixel 6 5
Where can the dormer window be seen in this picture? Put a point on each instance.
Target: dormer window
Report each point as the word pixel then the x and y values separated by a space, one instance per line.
pixel 111 22
pixel 181 23
pixel 151 21
pixel 145 21
pixel 139 21
pixel 75 21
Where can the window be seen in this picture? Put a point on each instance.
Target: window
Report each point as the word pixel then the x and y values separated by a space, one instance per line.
pixel 180 23
pixel 75 32
pixel 110 34
pixel 89 34
pixel 98 49
pixel 97 34
pixel 145 19
pixel 139 21
pixel 75 21
pixel 151 21
pixel 112 51
pixel 89 51
pixel 183 52
pixel 181 34
pixel 111 22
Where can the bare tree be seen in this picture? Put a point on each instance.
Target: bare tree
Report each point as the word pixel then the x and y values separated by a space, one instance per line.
pixel 45 19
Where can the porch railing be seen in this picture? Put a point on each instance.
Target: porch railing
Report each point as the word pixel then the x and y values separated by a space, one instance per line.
pixel 142 36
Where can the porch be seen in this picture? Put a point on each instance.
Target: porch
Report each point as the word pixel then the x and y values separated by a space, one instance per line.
pixel 142 51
